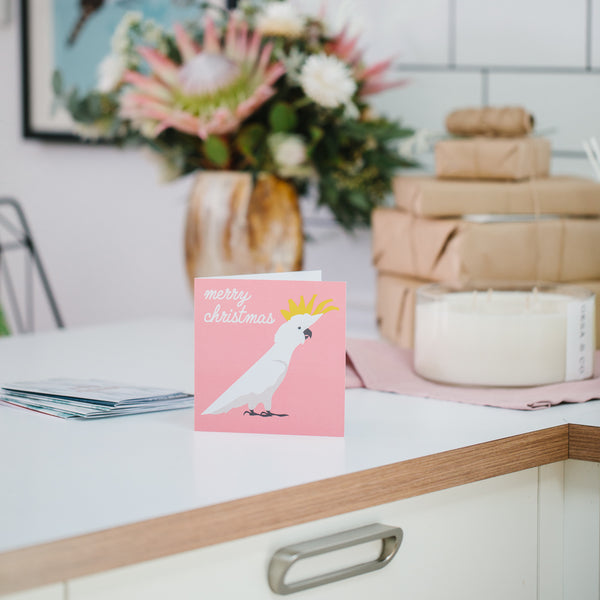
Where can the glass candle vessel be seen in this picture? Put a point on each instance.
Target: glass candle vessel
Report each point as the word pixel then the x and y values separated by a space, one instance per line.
pixel 504 336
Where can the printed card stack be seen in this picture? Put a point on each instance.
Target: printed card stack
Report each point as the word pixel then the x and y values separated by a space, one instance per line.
pixel 491 213
pixel 91 398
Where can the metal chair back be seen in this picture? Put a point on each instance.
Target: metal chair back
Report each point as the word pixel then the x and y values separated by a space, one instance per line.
pixel 22 275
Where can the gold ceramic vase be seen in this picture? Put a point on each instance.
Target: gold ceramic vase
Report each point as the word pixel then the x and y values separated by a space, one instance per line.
pixel 235 226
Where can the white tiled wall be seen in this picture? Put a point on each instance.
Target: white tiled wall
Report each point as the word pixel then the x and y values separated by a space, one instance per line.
pixel 571 116
pixel 514 32
pixel 417 32
pixel 428 97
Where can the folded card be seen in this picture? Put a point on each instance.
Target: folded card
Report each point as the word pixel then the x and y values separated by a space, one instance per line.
pixel 270 356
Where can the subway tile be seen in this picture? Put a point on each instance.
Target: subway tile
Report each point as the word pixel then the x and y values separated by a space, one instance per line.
pixel 596 33
pixel 566 106
pixel 415 31
pixel 579 167
pixel 517 32
pixel 428 97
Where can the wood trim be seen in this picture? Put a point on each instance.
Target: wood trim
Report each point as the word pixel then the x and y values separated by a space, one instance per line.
pixel 121 546
pixel 584 442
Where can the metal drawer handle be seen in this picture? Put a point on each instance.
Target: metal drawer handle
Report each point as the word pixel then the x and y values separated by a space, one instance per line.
pixel 284 558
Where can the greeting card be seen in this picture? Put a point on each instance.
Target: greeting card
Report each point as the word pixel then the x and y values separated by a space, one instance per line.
pixel 270 356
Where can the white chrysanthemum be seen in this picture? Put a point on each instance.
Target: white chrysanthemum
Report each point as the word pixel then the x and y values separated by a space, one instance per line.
pixel 288 150
pixel 280 18
pixel 110 71
pixel 151 31
pixel 120 41
pixel 327 80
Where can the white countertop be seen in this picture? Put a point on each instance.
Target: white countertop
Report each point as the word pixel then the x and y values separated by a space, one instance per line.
pixel 65 478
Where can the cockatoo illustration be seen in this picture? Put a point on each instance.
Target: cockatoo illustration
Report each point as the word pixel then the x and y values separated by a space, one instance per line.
pixel 258 384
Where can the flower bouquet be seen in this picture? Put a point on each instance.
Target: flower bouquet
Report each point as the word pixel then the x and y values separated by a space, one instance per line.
pixel 261 89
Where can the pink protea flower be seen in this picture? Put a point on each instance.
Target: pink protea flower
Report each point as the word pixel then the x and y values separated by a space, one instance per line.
pixel 216 87
pixel 370 79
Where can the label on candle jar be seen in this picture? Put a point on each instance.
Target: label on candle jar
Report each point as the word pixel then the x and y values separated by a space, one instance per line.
pixel 580 340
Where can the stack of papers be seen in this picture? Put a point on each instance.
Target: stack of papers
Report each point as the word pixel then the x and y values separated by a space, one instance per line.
pixel 91 398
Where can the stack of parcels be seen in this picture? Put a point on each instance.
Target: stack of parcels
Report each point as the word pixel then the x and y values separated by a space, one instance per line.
pixel 505 228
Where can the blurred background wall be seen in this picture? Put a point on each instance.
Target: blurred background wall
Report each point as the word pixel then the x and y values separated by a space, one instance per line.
pixel 111 235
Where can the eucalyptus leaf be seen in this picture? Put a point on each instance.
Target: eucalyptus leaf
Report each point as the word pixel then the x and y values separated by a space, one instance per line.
pixel 216 151
pixel 359 200
pixel 282 117
pixel 250 139
pixel 94 105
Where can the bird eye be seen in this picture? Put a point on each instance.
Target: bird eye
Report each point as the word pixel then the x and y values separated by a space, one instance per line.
pixel 299 327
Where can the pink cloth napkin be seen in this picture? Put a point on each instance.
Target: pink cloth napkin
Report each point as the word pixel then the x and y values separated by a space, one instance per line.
pixel 380 366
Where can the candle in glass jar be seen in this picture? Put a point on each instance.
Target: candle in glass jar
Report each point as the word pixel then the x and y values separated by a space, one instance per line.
pixel 515 337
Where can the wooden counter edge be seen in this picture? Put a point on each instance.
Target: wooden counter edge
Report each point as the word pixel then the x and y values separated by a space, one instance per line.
pixel 584 442
pixel 156 538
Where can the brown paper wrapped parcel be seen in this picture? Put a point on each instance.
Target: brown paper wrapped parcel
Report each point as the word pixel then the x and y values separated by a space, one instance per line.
pixel 396 298
pixel 509 159
pixel 395 308
pixel 508 121
pixel 431 197
pixel 461 250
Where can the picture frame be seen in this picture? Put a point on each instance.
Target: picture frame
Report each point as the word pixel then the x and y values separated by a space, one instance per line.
pixel 55 34
pixel 38 119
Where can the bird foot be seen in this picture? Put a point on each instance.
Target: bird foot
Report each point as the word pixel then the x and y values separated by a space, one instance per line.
pixel 264 413
pixel 268 413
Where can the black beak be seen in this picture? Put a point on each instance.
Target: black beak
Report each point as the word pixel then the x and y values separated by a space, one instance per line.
pixel 307 334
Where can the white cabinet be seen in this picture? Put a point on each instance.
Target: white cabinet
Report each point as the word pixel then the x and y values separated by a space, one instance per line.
pixel 49 592
pixel 581 546
pixel 474 541
pixel 530 535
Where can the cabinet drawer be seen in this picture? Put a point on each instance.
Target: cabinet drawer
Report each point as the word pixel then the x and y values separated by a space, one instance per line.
pixel 474 541
pixel 48 592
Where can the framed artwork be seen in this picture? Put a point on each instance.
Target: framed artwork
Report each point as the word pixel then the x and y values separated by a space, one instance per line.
pixel 73 36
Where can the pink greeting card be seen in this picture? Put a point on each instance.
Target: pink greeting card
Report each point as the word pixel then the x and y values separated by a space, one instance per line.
pixel 270 356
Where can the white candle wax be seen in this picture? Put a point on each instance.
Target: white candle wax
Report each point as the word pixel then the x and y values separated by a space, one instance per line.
pixel 498 338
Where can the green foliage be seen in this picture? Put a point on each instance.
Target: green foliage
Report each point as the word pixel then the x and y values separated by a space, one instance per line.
pixel 217 151
pixel 4 328
pixel 250 142
pixel 282 118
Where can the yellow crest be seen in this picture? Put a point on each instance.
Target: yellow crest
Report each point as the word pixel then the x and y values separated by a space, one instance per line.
pixel 301 308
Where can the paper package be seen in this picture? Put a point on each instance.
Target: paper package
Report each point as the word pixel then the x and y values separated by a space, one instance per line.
pixel 431 197
pixel 509 121
pixel 509 159
pixel 395 308
pixel 460 250
pixel 396 299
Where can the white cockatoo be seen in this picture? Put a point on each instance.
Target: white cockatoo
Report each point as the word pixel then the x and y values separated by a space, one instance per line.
pixel 258 384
